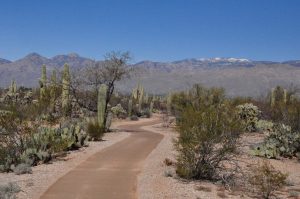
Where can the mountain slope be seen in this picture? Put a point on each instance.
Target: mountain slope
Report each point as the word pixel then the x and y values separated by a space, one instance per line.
pixel 4 61
pixel 237 76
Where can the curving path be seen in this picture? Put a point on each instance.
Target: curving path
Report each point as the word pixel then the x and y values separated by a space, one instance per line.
pixel 112 172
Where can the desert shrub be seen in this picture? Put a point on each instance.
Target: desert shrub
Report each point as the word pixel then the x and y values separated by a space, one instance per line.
pixel 134 118
pixel 22 169
pixel 249 114
pixel 119 111
pixel 94 130
pixel 208 131
pixel 9 191
pixel 281 142
pixel 266 180
pixel 14 133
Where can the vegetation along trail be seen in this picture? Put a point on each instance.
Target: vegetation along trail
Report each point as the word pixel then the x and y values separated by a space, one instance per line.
pixel 111 173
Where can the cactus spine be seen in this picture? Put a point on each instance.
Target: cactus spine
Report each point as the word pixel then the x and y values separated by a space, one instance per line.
pixel 43 83
pixel 101 105
pixel 66 90
pixel 130 108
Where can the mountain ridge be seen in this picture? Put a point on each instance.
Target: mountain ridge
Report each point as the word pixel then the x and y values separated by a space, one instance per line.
pixel 238 76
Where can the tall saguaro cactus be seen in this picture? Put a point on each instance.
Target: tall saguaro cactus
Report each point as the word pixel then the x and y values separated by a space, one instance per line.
pixel 43 83
pixel 53 90
pixel 130 108
pixel 12 88
pixel 101 105
pixel 169 101
pixel 151 108
pixel 272 97
pixel 66 90
pixel 284 96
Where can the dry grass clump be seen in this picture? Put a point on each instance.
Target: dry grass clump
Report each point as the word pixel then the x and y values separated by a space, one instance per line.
pixel 265 179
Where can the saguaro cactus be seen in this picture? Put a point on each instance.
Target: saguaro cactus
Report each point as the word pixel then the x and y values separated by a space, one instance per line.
pixel 102 105
pixel 284 96
pixel 12 89
pixel 151 108
pixel 43 83
pixel 66 90
pixel 130 108
pixel 169 106
pixel 272 97
pixel 53 89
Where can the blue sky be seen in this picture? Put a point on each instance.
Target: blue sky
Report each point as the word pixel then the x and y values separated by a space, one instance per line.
pixel 160 30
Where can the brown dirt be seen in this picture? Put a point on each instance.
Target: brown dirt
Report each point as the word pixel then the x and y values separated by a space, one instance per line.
pixel 112 172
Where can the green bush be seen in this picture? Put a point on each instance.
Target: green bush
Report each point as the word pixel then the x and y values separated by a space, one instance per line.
pixel 208 131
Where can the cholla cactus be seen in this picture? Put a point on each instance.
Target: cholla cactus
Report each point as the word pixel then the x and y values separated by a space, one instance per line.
pixel 249 114
pixel 43 83
pixel 118 110
pixel 66 90
pixel 102 105
pixel 130 108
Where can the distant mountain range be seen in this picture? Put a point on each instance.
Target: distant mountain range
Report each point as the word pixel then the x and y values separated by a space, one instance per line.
pixel 238 76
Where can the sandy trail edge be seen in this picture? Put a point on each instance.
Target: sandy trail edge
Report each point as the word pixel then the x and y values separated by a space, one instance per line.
pixel 110 173
pixel 43 176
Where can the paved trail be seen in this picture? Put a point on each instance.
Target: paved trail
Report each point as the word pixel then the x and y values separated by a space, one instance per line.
pixel 110 173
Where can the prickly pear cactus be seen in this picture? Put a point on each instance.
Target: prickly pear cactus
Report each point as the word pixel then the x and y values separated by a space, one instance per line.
pixel 281 142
